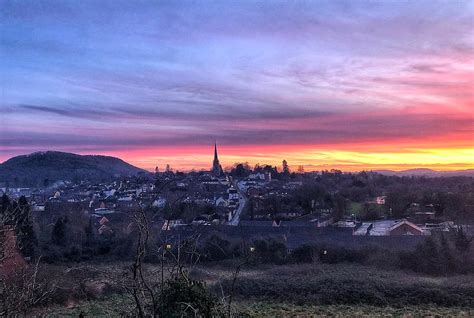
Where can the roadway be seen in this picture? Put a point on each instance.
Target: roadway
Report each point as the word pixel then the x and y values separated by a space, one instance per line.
pixel 242 202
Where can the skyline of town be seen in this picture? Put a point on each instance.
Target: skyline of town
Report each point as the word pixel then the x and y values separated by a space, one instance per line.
pixel 216 168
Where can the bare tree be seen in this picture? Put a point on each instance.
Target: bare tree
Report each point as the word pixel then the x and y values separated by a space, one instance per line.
pixel 147 287
pixel 245 260
pixel 151 289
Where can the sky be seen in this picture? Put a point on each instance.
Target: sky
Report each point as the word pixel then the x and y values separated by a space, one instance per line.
pixel 350 85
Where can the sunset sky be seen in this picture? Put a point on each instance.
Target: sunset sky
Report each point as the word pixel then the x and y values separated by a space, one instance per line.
pixel 351 85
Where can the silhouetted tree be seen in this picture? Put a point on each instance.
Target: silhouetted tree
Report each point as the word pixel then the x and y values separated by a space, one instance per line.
pixel 240 170
pixel 398 201
pixel 447 258
pixel 26 237
pixel 5 204
pixel 285 168
pixel 340 205
pixel 429 258
pixel 369 211
pixel 89 232
pixel 58 235
pixel 462 242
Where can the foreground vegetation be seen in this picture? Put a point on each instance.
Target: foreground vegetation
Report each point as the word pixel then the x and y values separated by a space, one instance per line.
pixel 65 268
pixel 262 309
pixel 219 278
pixel 109 308
pixel 295 290
pixel 350 284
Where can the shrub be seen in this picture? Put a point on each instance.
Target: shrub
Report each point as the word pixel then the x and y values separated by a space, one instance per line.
pixel 184 297
pixel 462 242
pixel 28 287
pixel 303 254
pixel 217 249
pixel 321 284
pixel 73 254
pixel 335 254
pixel 270 251
pixel 436 256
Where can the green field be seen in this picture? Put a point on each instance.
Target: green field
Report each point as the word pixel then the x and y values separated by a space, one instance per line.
pixel 113 307
pixel 313 290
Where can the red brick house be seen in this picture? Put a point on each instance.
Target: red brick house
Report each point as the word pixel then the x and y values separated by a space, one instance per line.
pixel 405 227
pixel 11 261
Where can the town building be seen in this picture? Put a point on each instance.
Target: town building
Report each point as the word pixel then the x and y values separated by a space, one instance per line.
pixel 389 227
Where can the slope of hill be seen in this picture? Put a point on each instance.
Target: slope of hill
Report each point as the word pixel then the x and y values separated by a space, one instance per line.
pixel 427 173
pixel 40 167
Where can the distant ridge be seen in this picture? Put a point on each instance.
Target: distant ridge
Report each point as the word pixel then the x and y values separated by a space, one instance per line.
pixel 427 173
pixel 39 168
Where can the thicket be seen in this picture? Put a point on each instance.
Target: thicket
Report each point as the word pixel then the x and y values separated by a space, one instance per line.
pixel 355 285
pixel 440 254
pixel 445 253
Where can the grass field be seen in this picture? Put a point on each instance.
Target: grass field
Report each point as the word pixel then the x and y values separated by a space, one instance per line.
pixel 313 290
pixel 328 284
pixel 262 309
pixel 117 306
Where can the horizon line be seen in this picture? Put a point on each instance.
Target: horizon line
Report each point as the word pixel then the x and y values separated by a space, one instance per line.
pixel 308 167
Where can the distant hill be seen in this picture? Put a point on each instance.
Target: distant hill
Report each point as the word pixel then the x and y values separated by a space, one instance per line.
pixel 35 168
pixel 427 173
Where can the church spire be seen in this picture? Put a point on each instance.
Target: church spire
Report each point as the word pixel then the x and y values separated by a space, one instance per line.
pixel 216 166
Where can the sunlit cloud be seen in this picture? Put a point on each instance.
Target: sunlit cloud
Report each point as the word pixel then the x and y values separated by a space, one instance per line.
pixel 350 85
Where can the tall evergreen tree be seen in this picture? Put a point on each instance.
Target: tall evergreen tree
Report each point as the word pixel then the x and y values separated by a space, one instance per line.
pixel 4 204
pixel 462 242
pixel 89 232
pixel 429 257
pixel 26 237
pixel 447 257
pixel 58 235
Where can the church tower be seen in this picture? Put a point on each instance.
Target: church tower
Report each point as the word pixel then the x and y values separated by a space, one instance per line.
pixel 216 166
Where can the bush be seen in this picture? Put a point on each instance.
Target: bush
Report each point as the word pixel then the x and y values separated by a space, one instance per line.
pixel 321 284
pixel 303 254
pixel 217 249
pixel 74 254
pixel 335 254
pixel 436 256
pixel 28 287
pixel 184 297
pixel 270 251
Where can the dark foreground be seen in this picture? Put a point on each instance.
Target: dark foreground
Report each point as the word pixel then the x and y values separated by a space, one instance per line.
pixel 289 290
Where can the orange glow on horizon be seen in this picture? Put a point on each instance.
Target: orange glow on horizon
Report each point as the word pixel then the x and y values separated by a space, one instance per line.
pixel 354 157
pixel 449 152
